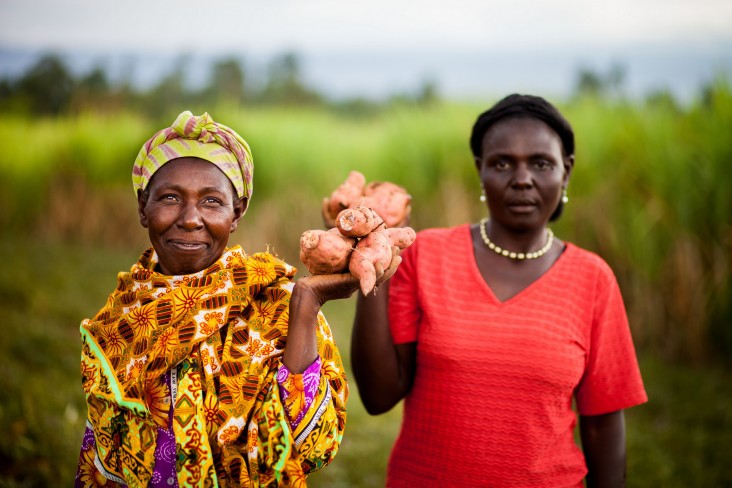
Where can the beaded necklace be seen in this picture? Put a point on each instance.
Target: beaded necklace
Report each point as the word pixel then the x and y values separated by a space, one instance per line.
pixel 515 255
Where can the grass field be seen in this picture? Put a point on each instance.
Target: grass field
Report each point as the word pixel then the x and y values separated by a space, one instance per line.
pixel 649 194
pixel 681 438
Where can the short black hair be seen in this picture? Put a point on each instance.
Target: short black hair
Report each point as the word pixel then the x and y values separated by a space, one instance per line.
pixel 515 106
pixel 529 106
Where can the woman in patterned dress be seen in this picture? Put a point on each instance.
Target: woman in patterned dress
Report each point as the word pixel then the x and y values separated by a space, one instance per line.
pixel 208 366
pixel 490 332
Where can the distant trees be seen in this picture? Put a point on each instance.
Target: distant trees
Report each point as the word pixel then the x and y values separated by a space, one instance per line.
pixel 46 87
pixel 49 88
pixel 594 84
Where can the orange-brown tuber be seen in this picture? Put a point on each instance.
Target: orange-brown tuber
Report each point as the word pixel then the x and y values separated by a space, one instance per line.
pixel 357 221
pixel 374 251
pixel 325 252
pixel 390 201
pixel 348 193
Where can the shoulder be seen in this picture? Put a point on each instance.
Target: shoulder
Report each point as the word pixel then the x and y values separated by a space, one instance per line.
pixel 438 237
pixel 587 261
pixel 437 250
pixel 589 269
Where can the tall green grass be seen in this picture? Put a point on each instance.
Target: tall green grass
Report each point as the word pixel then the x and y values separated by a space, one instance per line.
pixel 681 438
pixel 647 192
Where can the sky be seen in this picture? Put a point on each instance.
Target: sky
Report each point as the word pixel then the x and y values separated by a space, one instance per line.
pixel 469 48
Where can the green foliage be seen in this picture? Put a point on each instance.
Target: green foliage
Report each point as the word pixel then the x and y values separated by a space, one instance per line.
pixel 648 194
pixel 680 438
pixel 645 191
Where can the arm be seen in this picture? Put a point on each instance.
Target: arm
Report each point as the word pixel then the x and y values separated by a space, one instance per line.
pixel 308 296
pixel 384 372
pixel 603 443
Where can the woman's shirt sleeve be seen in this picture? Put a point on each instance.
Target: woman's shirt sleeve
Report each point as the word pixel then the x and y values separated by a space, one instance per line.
pixel 612 379
pixel 404 310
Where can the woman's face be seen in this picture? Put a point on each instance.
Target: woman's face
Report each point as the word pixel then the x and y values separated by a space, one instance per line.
pixel 523 171
pixel 190 211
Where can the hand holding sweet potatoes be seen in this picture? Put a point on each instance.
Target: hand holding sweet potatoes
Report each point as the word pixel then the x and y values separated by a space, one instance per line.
pixel 366 254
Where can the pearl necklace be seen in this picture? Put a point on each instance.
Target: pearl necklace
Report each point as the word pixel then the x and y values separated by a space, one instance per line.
pixel 516 255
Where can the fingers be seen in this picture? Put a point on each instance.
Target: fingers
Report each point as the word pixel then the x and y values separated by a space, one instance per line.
pixel 331 286
pixel 395 262
pixel 379 271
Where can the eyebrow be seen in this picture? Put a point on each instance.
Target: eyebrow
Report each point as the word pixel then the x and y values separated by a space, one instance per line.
pixel 181 189
pixel 539 154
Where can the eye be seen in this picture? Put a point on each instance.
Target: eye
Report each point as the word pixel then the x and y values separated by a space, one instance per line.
pixel 543 164
pixel 168 197
pixel 501 164
pixel 212 201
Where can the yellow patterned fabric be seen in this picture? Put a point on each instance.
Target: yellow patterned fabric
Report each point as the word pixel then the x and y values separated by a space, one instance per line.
pixel 225 329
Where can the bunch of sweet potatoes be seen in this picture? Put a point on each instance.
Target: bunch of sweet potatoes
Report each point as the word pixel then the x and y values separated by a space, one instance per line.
pixel 360 240
pixel 391 202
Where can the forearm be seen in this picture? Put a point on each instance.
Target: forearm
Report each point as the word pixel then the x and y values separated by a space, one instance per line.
pixel 302 347
pixel 382 370
pixel 603 443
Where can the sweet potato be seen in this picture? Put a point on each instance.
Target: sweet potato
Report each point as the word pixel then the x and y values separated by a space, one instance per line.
pixel 348 193
pixel 390 201
pixel 375 249
pixel 325 252
pixel 358 221
pixel 402 237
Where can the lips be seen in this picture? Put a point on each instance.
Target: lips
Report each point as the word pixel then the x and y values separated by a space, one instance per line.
pixel 187 246
pixel 521 206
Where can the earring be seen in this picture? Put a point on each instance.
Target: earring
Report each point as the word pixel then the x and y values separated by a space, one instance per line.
pixel 482 195
pixel 565 198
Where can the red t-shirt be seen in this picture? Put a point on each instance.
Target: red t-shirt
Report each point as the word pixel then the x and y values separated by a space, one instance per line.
pixel 491 403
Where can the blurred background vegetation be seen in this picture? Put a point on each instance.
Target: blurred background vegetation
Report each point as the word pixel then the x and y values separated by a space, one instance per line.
pixel 648 194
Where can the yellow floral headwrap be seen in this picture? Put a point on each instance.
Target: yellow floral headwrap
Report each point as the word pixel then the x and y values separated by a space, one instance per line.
pixel 199 137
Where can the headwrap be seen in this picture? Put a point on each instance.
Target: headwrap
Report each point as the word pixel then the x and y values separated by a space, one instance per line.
pixel 199 137
pixel 522 106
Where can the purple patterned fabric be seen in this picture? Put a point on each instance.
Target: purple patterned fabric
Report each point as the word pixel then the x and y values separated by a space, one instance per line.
pixel 310 380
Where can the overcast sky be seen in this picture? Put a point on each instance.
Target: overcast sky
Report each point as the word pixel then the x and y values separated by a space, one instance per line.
pixel 384 31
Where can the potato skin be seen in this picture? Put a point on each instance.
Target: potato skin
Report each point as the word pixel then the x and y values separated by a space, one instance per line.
pixel 325 252
pixel 348 193
pixel 358 221
pixel 373 249
pixel 390 201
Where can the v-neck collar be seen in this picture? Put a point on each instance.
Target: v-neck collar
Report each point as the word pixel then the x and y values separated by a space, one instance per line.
pixel 546 276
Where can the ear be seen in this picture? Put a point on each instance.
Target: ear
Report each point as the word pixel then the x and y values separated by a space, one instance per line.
pixel 240 206
pixel 141 204
pixel 477 162
pixel 568 167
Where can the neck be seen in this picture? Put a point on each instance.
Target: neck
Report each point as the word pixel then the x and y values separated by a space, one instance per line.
pixel 523 241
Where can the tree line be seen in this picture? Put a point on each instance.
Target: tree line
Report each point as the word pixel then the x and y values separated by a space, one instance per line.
pixel 49 87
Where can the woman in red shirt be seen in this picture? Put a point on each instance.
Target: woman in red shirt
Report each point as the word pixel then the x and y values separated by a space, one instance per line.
pixel 490 332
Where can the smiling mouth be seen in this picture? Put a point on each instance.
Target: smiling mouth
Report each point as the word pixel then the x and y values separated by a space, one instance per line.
pixel 187 245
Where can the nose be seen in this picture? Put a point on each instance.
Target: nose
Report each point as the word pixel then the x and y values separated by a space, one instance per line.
pixel 190 217
pixel 522 176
